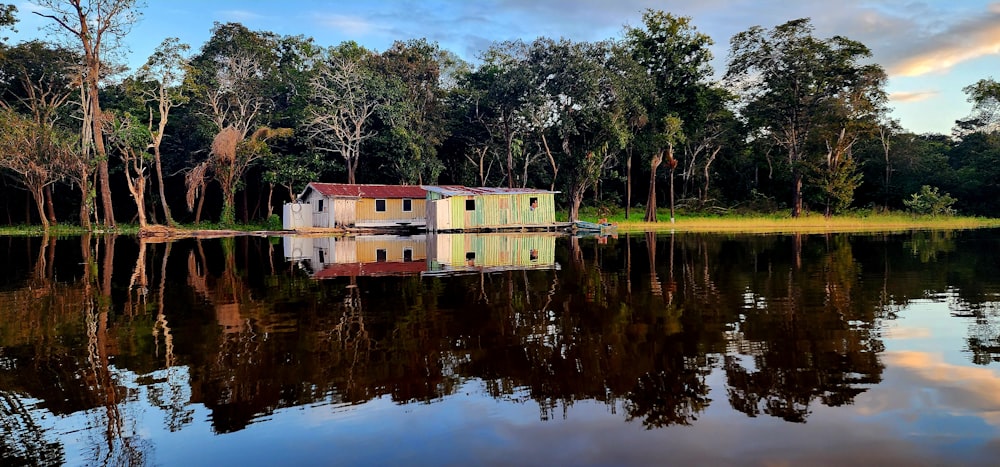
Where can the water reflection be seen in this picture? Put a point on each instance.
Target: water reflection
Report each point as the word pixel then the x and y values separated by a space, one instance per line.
pixel 114 332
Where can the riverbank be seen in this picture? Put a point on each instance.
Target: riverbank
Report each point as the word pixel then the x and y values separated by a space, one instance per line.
pixel 752 223
pixel 814 223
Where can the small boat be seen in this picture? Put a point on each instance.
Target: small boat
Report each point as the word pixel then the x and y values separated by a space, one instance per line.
pixel 601 228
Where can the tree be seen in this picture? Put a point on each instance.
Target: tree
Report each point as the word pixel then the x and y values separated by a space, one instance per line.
pixel 501 91
pixel 671 134
pixel 787 79
pixel 416 128
pixel 99 26
pixel 985 117
pixel 33 152
pixel 161 82
pixel 578 85
pixel 232 156
pixel 39 81
pixel 346 94
pixel 7 18
pixel 130 139
pixel 676 58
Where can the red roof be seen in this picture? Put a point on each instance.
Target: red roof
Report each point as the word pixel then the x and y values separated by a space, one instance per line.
pixel 371 269
pixel 369 191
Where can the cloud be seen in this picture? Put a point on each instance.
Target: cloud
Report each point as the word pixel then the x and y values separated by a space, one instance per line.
pixel 961 389
pixel 958 42
pixel 348 24
pixel 912 96
pixel 240 15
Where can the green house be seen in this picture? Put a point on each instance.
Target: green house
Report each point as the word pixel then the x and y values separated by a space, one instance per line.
pixel 459 208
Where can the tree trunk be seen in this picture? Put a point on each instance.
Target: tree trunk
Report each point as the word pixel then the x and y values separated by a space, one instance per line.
pixel 197 212
pixel 672 166
pixel 796 192
pixel 39 195
pixel 85 203
pixel 654 164
pixel 102 157
pixel 270 193
pixel 628 182
pixel 49 208
pixel 159 181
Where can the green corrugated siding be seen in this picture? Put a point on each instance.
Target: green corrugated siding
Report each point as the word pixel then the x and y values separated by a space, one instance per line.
pixel 497 211
pixel 492 250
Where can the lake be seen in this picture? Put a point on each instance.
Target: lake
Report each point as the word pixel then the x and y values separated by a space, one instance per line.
pixel 522 349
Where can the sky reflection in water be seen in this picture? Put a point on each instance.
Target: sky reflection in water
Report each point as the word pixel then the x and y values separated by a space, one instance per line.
pixel 707 350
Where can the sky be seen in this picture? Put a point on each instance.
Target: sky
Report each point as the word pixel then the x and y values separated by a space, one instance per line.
pixel 931 49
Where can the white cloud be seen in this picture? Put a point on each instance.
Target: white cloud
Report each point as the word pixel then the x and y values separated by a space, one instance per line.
pixel 347 24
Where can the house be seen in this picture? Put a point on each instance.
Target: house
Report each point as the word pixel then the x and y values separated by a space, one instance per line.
pixel 459 208
pixel 362 255
pixel 362 206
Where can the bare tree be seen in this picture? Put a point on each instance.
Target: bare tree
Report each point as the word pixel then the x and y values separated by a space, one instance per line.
pixel 163 72
pixel 346 96
pixel 233 101
pixel 99 26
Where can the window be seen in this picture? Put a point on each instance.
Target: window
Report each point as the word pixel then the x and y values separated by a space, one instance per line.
pixel 533 255
pixel 319 208
pixel 470 204
pixel 534 203
pixel 407 254
pixel 380 205
pixel 381 256
pixel 407 205
pixel 322 259
pixel 470 258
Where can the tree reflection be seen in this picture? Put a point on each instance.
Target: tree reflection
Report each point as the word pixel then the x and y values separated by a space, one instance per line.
pixel 640 323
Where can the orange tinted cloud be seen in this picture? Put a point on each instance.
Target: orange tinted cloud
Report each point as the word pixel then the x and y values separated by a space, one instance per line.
pixel 960 43
pixel 912 96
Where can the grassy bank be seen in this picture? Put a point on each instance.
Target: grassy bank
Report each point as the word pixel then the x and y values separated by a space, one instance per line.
pixel 70 230
pixel 779 223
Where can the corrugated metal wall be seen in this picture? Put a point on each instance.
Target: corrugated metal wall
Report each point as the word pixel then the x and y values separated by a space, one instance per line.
pixel 499 211
pixel 393 210
pixel 494 249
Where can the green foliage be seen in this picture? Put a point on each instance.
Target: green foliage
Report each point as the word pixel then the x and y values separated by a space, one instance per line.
pixel 930 202
pixel 273 222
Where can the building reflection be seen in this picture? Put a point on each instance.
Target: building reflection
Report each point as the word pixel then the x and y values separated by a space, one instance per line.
pixel 241 327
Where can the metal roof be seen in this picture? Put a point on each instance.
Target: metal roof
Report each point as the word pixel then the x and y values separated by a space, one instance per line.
pixel 367 191
pixel 459 190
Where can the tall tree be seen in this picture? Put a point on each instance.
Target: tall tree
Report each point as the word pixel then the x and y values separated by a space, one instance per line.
pixel 417 129
pixel 346 94
pixel 38 81
pixel 161 83
pixel 577 83
pixel 676 58
pixel 787 79
pixel 502 88
pixel 99 26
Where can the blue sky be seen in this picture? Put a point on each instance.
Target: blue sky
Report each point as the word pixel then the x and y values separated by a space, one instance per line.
pixel 931 49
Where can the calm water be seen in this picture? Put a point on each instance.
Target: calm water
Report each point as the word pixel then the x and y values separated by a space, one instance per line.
pixel 514 350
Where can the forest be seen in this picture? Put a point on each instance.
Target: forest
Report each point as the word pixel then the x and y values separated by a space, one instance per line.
pixel 228 132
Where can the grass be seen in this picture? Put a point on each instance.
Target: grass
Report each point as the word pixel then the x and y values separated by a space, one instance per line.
pixel 858 221
pixel 69 230
pixel 780 223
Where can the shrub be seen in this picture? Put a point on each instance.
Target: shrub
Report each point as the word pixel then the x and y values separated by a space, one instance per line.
pixel 930 202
